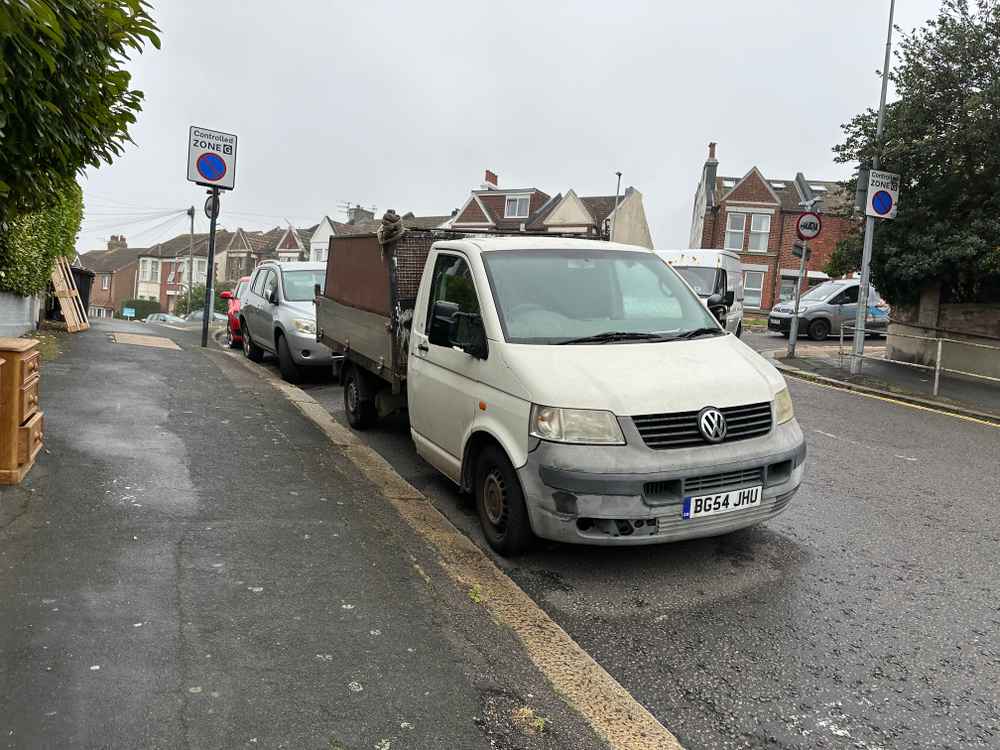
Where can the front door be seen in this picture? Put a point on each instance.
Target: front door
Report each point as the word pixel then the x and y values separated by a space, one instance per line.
pixel 263 324
pixel 443 380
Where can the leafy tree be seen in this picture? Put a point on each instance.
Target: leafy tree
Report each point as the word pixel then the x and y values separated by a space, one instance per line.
pixel 198 298
pixel 941 135
pixel 845 258
pixel 65 100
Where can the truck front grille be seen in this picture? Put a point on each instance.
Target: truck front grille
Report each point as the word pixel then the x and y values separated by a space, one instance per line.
pixel 680 429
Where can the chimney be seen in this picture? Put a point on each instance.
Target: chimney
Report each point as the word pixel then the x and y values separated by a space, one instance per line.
pixel 117 242
pixel 357 215
pixel 490 180
pixel 708 175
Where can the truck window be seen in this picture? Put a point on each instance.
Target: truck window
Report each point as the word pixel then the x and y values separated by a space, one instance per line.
pixel 258 281
pixel 452 282
pixel 269 284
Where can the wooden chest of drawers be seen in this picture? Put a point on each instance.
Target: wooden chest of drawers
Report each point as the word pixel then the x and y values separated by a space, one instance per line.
pixel 21 420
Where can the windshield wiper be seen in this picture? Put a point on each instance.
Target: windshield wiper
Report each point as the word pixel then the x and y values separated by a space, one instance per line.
pixel 610 336
pixel 699 332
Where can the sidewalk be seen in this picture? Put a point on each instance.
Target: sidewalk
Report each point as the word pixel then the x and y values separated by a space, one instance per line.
pixel 978 399
pixel 190 564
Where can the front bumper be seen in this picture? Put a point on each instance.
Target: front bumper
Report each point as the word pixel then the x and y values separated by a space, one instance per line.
pixel 307 351
pixel 782 322
pixel 633 495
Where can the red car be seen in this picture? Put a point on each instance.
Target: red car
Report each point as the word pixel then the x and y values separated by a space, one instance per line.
pixel 234 337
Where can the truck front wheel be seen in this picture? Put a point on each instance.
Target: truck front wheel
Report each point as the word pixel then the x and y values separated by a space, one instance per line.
pixel 500 503
pixel 358 404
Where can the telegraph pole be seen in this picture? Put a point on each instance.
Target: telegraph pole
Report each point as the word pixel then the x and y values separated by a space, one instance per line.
pixel 866 256
pixel 190 212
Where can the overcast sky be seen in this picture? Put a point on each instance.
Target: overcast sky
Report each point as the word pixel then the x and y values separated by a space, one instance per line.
pixel 403 105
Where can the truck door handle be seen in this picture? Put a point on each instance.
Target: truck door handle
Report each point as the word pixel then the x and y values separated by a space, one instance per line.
pixel 422 348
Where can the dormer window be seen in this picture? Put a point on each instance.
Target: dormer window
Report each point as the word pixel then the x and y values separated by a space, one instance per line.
pixel 516 207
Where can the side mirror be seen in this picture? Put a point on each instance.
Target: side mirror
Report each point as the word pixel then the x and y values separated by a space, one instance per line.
pixel 717 306
pixel 273 296
pixel 441 316
pixel 467 333
pixel 729 298
pixel 226 294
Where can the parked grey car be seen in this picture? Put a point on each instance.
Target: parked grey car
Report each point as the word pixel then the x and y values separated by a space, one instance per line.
pixel 825 307
pixel 277 315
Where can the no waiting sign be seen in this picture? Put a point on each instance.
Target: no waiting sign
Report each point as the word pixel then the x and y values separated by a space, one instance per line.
pixel 808 226
pixel 212 158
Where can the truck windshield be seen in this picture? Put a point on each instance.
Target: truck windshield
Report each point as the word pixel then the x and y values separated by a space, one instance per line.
pixel 558 296
pixel 703 280
pixel 300 285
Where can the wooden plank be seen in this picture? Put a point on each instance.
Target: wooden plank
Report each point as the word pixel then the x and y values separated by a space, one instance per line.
pixel 66 292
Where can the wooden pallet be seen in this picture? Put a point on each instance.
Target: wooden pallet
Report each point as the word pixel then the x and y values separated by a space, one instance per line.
pixel 70 303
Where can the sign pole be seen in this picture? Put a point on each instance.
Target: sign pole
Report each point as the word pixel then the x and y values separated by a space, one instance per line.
pixel 793 332
pixel 866 255
pixel 209 294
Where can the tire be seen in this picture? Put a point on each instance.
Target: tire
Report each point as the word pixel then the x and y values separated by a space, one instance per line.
pixel 229 340
pixel 819 329
pixel 503 515
pixel 290 371
pixel 739 330
pixel 252 352
pixel 358 404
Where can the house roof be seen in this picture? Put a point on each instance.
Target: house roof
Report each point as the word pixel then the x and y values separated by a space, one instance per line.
pixel 107 261
pixel 180 246
pixel 835 197
pixel 600 206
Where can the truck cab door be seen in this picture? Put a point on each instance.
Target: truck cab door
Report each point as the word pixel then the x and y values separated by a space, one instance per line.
pixel 263 326
pixel 442 380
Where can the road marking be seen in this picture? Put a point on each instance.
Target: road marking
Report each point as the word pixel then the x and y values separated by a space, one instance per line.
pixel 896 401
pixel 612 712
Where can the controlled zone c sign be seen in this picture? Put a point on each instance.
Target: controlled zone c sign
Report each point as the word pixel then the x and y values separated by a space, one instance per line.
pixel 883 193
pixel 212 158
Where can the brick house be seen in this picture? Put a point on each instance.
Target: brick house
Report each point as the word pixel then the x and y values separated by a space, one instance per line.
pixel 508 210
pixel 115 271
pixel 168 268
pixel 756 216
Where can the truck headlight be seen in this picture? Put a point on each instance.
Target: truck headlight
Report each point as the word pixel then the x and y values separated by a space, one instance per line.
pixel 580 426
pixel 304 326
pixel 783 411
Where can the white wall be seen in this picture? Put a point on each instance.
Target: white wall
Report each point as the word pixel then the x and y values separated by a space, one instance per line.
pixel 17 314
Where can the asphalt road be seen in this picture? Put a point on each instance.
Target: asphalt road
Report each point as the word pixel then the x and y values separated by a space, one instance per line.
pixel 866 616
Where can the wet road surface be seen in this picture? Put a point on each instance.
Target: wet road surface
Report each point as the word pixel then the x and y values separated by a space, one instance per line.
pixel 866 616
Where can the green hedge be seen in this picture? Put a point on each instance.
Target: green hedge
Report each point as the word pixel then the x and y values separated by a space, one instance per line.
pixel 142 307
pixel 198 298
pixel 30 243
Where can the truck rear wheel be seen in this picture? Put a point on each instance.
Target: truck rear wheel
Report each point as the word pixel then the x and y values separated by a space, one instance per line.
pixel 500 503
pixel 358 403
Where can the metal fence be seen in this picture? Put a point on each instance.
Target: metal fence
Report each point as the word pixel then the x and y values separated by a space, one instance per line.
pixel 938 366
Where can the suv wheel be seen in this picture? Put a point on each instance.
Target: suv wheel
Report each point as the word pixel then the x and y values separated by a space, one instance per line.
pixel 253 352
pixel 290 371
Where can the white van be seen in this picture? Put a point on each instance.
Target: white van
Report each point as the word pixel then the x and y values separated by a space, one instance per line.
pixel 711 272
pixel 578 388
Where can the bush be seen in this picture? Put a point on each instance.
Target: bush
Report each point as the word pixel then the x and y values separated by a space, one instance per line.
pixel 142 307
pixel 32 242
pixel 198 298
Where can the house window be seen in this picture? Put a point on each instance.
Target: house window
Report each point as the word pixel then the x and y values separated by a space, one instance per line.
pixel 753 287
pixel 152 270
pixel 516 207
pixel 760 228
pixel 105 281
pixel 170 277
pixel 735 224
pixel 202 265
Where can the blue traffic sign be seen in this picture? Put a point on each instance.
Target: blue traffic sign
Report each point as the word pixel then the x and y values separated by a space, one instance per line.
pixel 211 167
pixel 882 202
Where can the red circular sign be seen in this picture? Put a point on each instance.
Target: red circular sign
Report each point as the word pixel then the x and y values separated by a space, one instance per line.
pixel 808 226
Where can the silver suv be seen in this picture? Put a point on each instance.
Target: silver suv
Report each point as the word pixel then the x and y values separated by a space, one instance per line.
pixel 277 315
pixel 824 308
